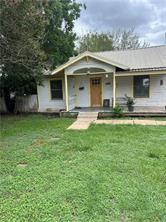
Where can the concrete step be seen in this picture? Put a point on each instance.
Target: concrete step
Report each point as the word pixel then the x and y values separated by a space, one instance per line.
pixel 87 115
pixel 84 119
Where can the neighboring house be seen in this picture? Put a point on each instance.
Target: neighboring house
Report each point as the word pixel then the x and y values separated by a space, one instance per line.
pixel 89 78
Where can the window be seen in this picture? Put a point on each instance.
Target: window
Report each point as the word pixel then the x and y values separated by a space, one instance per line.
pixel 89 70
pixel 56 89
pixel 141 86
pixel 95 81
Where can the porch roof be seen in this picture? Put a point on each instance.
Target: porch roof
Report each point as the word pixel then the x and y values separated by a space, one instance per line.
pixel 91 55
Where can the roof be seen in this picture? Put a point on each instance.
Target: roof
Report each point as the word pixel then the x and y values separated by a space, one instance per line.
pixel 92 55
pixel 153 58
pixel 143 59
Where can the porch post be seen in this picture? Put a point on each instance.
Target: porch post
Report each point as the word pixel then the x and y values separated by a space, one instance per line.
pixel 114 90
pixel 66 93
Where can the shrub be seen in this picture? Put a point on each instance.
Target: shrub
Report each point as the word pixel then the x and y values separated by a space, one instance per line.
pixel 117 111
pixel 129 101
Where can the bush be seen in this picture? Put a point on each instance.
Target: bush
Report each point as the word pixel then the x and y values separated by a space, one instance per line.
pixel 117 111
pixel 129 101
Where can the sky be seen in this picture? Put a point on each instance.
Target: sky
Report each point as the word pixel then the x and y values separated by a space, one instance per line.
pixel 148 17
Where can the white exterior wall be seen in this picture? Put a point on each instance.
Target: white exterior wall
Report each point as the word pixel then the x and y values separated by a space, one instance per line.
pixel 71 92
pixel 157 95
pixel 44 98
pixel 83 96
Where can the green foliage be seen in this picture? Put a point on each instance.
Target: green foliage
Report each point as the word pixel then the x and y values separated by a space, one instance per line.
pixel 95 42
pixel 117 111
pixel 129 101
pixel 34 35
pixel 21 30
pixel 59 38
pixel 115 40
pixel 105 173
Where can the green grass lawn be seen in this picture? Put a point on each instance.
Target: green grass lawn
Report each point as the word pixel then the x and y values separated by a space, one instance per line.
pixel 106 173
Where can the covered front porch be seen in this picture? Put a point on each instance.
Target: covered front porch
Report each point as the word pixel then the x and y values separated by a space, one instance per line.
pixel 82 96
pixel 90 91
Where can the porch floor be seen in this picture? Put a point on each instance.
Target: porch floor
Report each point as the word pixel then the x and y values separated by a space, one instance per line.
pixel 137 109
pixel 91 109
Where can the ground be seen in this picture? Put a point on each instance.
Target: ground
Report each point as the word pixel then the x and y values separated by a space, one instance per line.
pixel 106 173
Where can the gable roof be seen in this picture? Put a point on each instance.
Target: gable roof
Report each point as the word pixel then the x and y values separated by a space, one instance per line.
pixel 143 59
pixel 91 55
pixel 139 59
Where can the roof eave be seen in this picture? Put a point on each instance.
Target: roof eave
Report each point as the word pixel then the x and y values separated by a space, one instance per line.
pixel 88 54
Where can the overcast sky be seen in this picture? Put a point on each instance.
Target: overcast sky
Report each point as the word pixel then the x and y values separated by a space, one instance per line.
pixel 147 16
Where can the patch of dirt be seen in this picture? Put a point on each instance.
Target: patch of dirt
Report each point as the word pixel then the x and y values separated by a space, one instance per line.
pixel 22 165
pixel 37 142
pixel 123 218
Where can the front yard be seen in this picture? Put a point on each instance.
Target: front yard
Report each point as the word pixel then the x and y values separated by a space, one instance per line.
pixel 106 173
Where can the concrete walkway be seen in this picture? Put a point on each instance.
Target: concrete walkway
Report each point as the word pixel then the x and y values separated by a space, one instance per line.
pixel 131 122
pixel 84 120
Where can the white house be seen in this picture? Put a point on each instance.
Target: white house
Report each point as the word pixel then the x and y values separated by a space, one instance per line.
pixel 89 79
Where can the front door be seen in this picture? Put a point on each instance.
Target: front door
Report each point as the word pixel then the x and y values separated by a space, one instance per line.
pixel 95 90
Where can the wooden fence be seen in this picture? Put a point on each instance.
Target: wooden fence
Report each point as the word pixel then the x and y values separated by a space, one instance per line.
pixel 22 104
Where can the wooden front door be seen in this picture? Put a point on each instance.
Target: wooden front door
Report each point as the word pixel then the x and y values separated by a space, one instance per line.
pixel 95 90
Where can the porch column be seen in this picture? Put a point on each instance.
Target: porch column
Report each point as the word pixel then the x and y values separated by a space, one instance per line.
pixel 66 93
pixel 114 90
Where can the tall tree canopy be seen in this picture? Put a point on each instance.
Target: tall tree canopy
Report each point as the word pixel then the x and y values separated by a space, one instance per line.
pixel 59 36
pixel 33 34
pixel 116 40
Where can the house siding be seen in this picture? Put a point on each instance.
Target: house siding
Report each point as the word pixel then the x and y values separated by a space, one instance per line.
pixel 44 98
pixel 157 94
pixel 83 96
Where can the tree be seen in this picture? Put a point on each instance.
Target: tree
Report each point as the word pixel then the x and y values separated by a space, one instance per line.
pixel 21 30
pixel 127 39
pixel 33 34
pixel 116 40
pixel 59 39
pixel 95 42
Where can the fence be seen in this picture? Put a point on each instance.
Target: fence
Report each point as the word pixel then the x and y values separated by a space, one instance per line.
pixel 22 104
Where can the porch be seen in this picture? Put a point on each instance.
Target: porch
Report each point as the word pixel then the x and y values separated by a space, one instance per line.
pixel 137 110
pixel 112 88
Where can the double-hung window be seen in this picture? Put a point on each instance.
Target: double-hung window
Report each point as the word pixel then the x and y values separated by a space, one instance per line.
pixel 56 89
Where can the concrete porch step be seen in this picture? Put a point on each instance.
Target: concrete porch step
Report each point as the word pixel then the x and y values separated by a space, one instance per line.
pixel 84 119
pixel 88 114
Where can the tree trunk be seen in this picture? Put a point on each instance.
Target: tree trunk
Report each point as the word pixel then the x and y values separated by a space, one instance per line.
pixel 10 102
